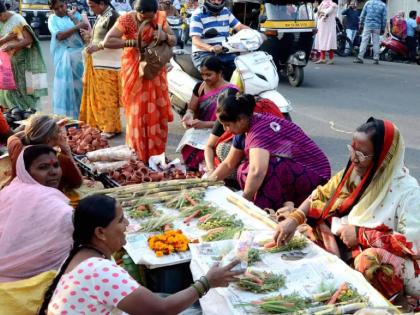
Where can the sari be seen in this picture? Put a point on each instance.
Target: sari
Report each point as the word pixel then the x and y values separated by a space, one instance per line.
pixel 207 105
pixel 146 102
pixel 384 206
pixel 297 165
pixel 29 69
pixel 399 26
pixel 100 107
pixel 68 63
pixel 35 227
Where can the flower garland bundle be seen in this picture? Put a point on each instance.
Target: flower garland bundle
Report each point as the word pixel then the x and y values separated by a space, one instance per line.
pixel 168 242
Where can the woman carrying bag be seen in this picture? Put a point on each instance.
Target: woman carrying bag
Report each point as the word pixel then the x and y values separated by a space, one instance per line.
pixel 144 85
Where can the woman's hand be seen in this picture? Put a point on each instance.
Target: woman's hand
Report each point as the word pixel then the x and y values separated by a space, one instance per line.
pixel 285 231
pixel 85 35
pixel 187 119
pixel 92 49
pixel 198 124
pixel 348 235
pixel 222 276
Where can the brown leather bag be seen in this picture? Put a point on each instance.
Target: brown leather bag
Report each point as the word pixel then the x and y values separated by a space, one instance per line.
pixel 156 55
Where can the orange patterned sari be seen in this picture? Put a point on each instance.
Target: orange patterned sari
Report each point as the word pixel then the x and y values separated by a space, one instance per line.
pixel 146 102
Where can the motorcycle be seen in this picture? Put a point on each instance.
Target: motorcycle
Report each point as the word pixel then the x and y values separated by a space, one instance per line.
pixel 175 23
pixel 342 40
pixel 255 73
pixel 290 31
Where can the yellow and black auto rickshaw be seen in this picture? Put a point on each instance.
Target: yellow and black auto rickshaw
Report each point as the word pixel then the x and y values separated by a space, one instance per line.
pixel 36 13
pixel 290 28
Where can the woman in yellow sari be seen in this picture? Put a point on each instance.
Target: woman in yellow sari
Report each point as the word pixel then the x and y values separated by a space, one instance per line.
pixel 370 211
pixel 100 106
pixel 146 102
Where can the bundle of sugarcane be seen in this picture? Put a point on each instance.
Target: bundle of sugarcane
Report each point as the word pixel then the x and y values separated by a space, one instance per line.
pixel 143 189
pixel 159 197
pixel 245 206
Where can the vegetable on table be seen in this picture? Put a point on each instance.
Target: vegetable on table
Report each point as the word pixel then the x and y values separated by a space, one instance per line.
pixel 142 211
pixel 296 243
pixel 253 256
pixel 156 224
pixel 220 234
pixel 220 221
pixel 185 199
pixel 260 282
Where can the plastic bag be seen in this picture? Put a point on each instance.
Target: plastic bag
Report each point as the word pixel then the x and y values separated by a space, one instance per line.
pixel 240 251
pixel 7 79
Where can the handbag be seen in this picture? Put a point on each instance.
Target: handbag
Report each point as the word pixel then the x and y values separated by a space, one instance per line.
pixel 155 55
pixel 7 79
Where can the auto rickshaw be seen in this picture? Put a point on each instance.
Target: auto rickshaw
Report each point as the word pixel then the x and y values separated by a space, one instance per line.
pixel 290 28
pixel 36 13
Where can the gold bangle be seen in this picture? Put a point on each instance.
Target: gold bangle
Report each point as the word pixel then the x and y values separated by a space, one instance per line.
pixel 297 216
pixel 301 212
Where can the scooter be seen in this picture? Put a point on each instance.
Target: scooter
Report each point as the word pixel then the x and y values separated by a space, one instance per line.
pixel 176 25
pixel 255 70
pixel 392 48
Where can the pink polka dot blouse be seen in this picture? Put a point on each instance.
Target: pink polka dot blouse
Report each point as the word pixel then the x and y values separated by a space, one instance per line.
pixel 95 286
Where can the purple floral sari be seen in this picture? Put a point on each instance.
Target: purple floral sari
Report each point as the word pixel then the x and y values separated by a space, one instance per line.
pixel 297 165
pixel 207 112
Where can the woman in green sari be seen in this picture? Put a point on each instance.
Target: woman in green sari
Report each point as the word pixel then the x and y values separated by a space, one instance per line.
pixel 29 70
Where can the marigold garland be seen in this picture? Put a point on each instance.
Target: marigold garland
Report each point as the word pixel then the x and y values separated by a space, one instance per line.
pixel 168 242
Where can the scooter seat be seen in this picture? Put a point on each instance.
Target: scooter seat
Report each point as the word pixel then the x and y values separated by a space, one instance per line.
pixel 186 64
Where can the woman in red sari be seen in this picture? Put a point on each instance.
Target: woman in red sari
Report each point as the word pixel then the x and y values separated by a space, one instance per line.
pixel 146 102
pixel 370 211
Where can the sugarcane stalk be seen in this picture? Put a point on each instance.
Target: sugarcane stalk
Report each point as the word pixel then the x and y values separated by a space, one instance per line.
pixel 240 204
pixel 178 183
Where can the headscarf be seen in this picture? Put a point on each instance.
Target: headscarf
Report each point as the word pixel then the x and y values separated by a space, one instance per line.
pixel 384 194
pixel 35 227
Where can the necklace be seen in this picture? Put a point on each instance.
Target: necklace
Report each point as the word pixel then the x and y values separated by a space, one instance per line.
pixel 94 249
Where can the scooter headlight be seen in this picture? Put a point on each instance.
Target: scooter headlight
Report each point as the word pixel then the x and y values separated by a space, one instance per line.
pixel 301 55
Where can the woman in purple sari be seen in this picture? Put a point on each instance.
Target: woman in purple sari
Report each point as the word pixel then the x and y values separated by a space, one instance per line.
pixel 201 112
pixel 281 162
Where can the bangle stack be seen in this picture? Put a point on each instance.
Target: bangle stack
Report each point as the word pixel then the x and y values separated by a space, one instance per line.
pixel 298 216
pixel 130 43
pixel 202 286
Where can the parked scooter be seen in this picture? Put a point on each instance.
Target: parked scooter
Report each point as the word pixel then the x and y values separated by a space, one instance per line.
pixel 392 48
pixel 255 70
pixel 175 23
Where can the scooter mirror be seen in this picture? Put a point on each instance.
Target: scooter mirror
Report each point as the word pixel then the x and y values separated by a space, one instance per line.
pixel 262 18
pixel 211 33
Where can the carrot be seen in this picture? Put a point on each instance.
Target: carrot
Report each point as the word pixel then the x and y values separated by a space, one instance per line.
pixel 253 278
pixel 270 244
pixel 190 200
pixel 215 230
pixel 337 293
pixel 141 208
pixel 204 218
pixel 192 216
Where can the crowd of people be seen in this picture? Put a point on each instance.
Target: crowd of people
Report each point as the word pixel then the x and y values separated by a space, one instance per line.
pixel 373 200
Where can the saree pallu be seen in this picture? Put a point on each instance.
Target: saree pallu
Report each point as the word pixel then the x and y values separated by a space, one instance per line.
pixel 68 63
pixel 29 69
pixel 206 112
pixel 146 102
pixel 100 106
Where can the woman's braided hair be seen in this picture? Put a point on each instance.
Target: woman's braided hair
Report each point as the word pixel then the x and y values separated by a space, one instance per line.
pixel 92 212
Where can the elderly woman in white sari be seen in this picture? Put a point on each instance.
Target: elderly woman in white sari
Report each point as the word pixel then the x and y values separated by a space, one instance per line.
pixel 370 211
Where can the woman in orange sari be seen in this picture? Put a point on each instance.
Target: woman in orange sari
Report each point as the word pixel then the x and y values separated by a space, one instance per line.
pixel 146 102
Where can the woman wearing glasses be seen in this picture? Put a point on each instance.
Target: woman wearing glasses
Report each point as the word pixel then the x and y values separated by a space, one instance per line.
pixel 370 211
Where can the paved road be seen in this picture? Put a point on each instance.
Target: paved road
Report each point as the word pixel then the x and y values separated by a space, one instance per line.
pixel 345 95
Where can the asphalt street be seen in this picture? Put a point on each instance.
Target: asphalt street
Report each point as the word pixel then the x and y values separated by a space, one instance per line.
pixel 333 101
